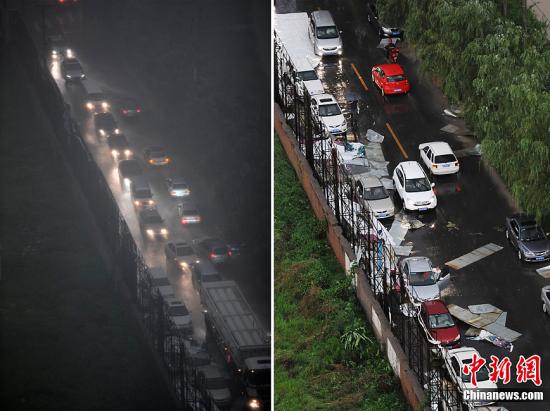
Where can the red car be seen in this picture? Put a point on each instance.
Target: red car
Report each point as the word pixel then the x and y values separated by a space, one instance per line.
pixel 390 79
pixel 440 324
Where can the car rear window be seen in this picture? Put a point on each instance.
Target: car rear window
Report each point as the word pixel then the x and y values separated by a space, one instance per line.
pixel 183 251
pixel 143 193
pixel 179 186
pixel 445 158
pixel 396 78
pixel 131 168
pixel 190 211
pixel 153 218
pixel 220 250
pixel 307 75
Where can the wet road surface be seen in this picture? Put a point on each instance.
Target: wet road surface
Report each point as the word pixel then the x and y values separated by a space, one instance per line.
pixel 471 207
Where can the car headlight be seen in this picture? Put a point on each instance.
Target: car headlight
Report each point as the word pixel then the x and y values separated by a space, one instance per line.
pixel 151 202
pixel 163 231
pixel 136 203
pixel 127 152
pixel 102 132
pixel 126 181
pixel 117 131
pixel 114 153
pixel 150 232
pixel 89 106
pixel 254 404
pixel 82 76
pixel 69 53
pixel 105 105
pixel 183 264
pixel 457 338
pixel 54 53
pixel 529 253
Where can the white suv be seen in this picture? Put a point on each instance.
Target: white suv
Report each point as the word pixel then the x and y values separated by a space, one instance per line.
pixel 327 109
pixel 413 187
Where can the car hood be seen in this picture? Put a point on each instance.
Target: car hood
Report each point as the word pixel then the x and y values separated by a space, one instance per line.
pixel 384 204
pixel 328 42
pixel 536 246
pixel 444 335
pixel 190 259
pixel 154 226
pixel 73 71
pixel 220 395
pixel 425 292
pixel 333 121
pixel 314 87
pixel 420 196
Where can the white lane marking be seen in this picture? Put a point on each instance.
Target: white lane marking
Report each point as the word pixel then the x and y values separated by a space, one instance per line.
pixel 544 271
pixel 472 257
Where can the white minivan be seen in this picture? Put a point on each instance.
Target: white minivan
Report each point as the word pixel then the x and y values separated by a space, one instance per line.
pixel 324 34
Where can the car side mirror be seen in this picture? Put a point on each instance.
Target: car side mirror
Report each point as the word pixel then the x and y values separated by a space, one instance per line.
pixel 341 32
pixel 547 234
pixel 432 185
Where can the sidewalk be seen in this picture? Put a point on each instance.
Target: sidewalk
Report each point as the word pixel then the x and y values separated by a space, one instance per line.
pixel 542 9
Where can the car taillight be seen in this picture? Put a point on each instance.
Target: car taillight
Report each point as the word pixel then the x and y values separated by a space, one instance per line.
pixel 138 110
pixel 125 111
pixel 184 221
pixel 434 165
pixel 229 253
pixel 212 255
pixel 151 161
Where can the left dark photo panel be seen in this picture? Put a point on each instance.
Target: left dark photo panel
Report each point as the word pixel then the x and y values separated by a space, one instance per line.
pixel 135 215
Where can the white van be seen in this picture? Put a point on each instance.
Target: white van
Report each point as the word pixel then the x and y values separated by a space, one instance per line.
pixel 324 34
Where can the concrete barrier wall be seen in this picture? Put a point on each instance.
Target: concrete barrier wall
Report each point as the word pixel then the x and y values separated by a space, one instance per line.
pixel 344 253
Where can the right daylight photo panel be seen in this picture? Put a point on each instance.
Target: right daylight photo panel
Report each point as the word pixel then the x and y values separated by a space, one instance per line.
pixel 411 205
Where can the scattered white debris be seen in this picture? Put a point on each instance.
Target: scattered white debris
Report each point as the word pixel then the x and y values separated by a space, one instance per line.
pixel 484 309
pixel 544 271
pixel 449 113
pixel 374 137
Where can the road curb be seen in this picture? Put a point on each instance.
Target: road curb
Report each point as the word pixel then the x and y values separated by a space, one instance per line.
pixel 343 251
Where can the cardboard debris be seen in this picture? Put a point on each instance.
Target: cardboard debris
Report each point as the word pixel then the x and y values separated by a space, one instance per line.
pixel 449 128
pixel 472 332
pixel 493 339
pixel 544 271
pixel 484 309
pixel 374 137
pixel 491 321
pixel 403 250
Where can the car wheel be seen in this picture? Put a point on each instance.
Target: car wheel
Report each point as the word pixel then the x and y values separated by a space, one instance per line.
pixel 369 19
pixel 520 256
pixel 382 90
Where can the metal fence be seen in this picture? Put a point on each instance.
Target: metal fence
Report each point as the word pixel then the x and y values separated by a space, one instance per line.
pixel 370 241
pixel 153 310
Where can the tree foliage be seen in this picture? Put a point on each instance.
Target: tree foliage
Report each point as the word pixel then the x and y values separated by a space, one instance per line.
pixel 500 70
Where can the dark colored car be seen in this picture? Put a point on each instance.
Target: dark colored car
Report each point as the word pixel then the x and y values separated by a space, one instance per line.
pixel 214 249
pixel 71 70
pixel 128 170
pixel 119 146
pixel 439 323
pixel 105 124
pixel 96 102
pixel 384 30
pixel 528 238
pixel 128 107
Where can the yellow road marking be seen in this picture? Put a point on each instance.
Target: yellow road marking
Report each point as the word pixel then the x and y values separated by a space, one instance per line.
pixel 359 76
pixel 397 141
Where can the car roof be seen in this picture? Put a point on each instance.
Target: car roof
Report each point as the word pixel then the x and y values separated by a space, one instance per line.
pixel 463 353
pixel 435 307
pixel 140 182
pixel 412 169
pixel 391 69
pixel 370 181
pixel 418 264
pixel 524 219
pixel 440 147
pixel 149 212
pixel 71 60
pixel 178 180
pixel 119 138
pixel 324 98
pixel 323 18
pixel 103 115
pixel 179 243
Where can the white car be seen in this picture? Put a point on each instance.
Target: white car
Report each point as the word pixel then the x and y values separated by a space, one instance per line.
pixel 422 281
pixel 374 194
pixel 181 254
pixel 413 187
pixel 455 360
pixel 327 109
pixel 180 315
pixel 439 158
pixel 308 79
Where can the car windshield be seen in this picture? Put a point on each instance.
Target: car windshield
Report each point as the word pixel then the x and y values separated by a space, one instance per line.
pixel 183 251
pixel 445 158
pixel 158 153
pixel 73 66
pixel 95 97
pixel 190 212
pixel 118 140
pixel 375 193
pixel 396 78
pixel 532 233
pixel 415 185
pixel 131 168
pixel 216 383
pixel 179 186
pixel 481 375
pixel 219 250
pixel 307 75
pixel 106 122
pixel 443 320
pixel 327 110
pixel 422 278
pixel 153 218
pixel 327 32
pixel 143 193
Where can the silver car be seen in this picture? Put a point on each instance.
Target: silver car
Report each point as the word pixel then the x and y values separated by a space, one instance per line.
pixel 372 192
pixel 324 34
pixel 216 383
pixel 177 187
pixel 180 253
pixel 421 279
pixel 189 214
pixel 528 238
pixel 71 70
pixel 180 316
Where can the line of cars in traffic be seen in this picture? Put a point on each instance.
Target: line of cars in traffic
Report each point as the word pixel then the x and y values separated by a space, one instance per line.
pixel 200 257
pixel 414 191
